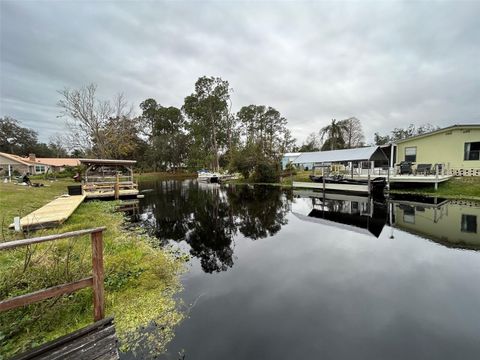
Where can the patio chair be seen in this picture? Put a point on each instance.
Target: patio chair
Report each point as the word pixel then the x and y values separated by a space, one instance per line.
pixel 405 168
pixel 424 169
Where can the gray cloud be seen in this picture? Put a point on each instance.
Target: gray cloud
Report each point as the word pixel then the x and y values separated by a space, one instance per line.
pixel 387 63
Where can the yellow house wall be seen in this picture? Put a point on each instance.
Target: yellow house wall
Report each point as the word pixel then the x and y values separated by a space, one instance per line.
pixel 443 148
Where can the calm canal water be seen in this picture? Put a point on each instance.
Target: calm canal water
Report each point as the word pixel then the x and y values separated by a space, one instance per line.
pixel 294 275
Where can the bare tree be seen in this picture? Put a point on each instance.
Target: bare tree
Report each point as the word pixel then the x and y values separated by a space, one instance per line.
pixel 352 132
pixel 89 118
pixel 58 143
pixel 313 142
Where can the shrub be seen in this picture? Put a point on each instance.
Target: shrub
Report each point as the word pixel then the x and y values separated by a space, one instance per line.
pixel 266 172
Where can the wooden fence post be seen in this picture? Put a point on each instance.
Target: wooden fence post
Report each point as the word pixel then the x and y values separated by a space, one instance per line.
pixel 98 276
pixel 117 187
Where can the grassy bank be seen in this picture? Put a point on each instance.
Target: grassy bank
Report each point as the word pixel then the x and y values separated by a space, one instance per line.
pixel 141 279
pixel 284 181
pixel 455 188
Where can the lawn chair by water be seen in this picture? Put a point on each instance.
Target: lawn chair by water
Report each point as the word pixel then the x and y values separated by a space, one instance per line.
pixel 405 168
pixel 424 169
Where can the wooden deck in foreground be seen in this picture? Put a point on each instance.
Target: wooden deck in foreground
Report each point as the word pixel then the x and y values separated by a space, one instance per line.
pixel 51 214
pixel 94 342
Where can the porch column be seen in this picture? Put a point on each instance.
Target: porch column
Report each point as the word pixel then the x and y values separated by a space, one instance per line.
pixel 392 160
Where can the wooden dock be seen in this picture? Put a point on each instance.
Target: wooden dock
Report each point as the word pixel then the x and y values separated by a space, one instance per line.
pixel 396 179
pixel 52 214
pixel 94 342
pixel 334 187
pixel 108 193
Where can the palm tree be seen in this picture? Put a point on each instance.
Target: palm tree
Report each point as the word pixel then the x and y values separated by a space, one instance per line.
pixel 334 134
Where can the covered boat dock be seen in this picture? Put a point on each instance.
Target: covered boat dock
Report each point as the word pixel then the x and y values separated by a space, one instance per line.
pixel 106 178
pixel 341 162
pixel 364 164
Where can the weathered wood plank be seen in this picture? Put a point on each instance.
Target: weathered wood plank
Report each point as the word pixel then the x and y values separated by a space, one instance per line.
pixel 92 350
pixel 98 275
pixel 40 295
pixel 113 354
pixel 42 351
pixel 36 240
pixel 83 344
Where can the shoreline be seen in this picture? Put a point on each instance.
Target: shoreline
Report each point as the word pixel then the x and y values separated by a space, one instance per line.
pixel 134 262
pixel 460 188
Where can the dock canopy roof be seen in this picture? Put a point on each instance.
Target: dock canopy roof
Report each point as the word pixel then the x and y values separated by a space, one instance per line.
pixel 371 153
pixel 107 162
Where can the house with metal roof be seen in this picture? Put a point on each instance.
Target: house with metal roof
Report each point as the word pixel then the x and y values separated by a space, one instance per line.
pixel 289 158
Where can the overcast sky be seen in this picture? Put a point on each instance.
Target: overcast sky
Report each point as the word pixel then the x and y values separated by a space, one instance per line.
pixel 387 63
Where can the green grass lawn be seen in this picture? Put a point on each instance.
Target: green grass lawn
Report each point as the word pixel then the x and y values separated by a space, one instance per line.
pixel 141 279
pixel 458 188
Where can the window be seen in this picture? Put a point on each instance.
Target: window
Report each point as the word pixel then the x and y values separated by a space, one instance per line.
pixel 409 214
pixel 472 151
pixel 469 223
pixel 39 169
pixel 411 154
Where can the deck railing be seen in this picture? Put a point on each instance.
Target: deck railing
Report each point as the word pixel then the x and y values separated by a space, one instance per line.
pixel 95 281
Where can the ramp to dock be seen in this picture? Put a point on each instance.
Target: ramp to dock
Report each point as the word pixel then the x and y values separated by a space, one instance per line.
pixel 52 214
pixel 95 342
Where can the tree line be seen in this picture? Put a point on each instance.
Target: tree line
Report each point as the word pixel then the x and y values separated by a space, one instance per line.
pixel 18 140
pixel 339 134
pixel 202 133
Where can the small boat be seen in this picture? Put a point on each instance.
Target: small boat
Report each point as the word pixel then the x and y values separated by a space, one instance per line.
pixel 377 185
pixel 207 176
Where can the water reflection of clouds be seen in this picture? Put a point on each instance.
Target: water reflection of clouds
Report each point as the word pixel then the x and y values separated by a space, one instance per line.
pixel 298 296
pixel 307 290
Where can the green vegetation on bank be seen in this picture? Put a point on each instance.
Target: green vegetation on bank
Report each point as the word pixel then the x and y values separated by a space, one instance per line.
pixel 134 266
pixel 455 188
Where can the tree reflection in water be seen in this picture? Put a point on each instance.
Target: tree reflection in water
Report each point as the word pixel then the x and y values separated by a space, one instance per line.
pixel 207 217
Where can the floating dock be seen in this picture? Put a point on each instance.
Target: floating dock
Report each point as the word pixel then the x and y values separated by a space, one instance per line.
pixel 397 179
pixel 334 187
pixel 108 193
pixel 52 214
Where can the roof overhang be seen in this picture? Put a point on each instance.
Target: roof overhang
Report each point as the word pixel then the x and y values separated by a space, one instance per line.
pixel 439 131
pixel 17 159
pixel 107 162
pixel 370 153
